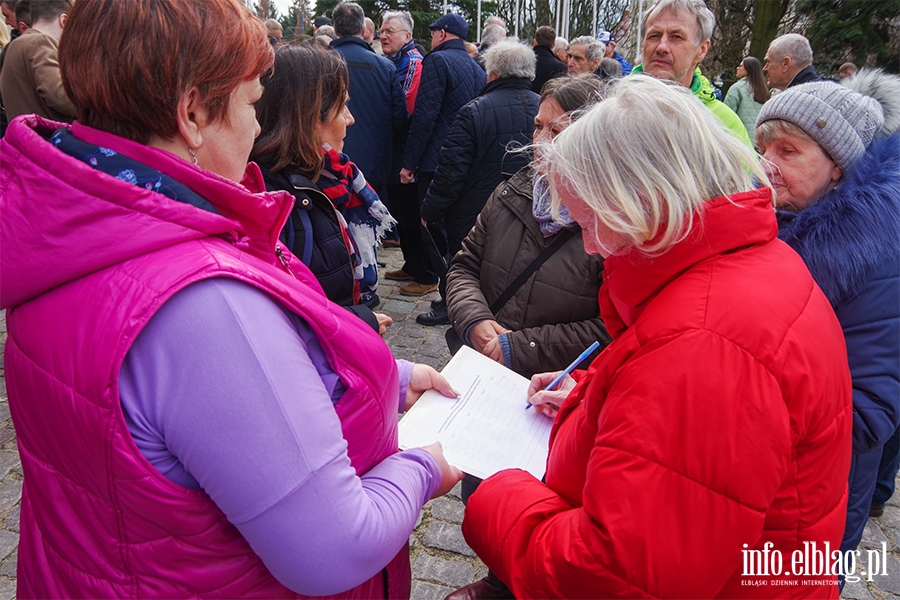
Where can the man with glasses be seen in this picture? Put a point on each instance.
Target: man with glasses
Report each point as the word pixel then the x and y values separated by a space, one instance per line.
pixel 403 199
pixel 450 79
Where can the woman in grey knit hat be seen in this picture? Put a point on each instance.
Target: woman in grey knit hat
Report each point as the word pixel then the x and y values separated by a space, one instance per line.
pixel 833 154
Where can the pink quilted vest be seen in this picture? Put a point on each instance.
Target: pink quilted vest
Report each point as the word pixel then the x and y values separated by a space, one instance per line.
pixel 97 520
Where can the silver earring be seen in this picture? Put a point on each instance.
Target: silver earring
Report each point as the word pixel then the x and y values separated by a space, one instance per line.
pixel 193 156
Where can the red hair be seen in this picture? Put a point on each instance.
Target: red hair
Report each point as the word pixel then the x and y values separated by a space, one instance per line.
pixel 126 65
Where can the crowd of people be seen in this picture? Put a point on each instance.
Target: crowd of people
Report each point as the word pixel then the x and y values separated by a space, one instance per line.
pixel 190 217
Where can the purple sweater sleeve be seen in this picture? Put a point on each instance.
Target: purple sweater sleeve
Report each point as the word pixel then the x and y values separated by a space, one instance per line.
pixel 224 390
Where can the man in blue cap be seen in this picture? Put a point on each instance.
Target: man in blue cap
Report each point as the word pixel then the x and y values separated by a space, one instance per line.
pixel 610 40
pixel 450 79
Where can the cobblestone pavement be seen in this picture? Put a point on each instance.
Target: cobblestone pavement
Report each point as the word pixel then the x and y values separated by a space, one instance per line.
pixel 441 560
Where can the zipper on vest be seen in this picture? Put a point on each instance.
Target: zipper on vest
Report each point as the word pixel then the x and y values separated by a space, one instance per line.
pixel 284 261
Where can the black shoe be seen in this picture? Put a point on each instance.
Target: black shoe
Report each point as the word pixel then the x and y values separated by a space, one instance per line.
pixel 370 300
pixel 435 317
pixel 876 511
pixel 439 304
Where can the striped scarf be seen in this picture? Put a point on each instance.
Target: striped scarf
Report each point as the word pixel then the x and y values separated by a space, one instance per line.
pixel 366 216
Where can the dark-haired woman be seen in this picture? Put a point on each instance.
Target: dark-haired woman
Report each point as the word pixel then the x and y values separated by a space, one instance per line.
pixel 194 417
pixel 748 94
pixel 337 216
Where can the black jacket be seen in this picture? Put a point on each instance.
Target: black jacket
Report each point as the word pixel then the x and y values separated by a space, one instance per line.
pixel 450 78
pixel 546 68
pixel 806 76
pixel 474 157
pixel 377 104
pixel 313 235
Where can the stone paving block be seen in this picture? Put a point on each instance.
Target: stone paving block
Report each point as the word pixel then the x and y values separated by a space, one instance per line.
pixel 889 520
pixel 9 567
pixel 397 307
pixel 4 411
pixel 414 331
pixel 891 581
pixel 399 342
pixel 873 536
pixel 456 491
pixel 9 541
pixel 437 363
pixel 435 350
pixel 427 591
pixel 8 462
pixel 856 591
pixel 454 574
pixel 446 509
pixel 10 493
pixel 445 536
pixel 12 519
pixel 7 589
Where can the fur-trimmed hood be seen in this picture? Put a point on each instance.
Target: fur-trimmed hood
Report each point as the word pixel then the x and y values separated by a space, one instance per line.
pixel 855 228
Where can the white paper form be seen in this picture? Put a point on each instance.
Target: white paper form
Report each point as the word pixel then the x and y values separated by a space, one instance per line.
pixel 485 430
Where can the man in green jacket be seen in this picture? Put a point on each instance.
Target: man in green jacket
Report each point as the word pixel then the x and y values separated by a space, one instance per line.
pixel 676 36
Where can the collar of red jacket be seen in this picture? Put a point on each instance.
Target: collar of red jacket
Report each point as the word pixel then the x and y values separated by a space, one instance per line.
pixel 724 225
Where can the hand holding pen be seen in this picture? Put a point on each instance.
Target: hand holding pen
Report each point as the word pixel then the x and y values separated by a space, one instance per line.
pixel 547 391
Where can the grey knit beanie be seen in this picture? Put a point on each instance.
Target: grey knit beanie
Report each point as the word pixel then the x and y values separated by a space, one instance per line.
pixel 842 121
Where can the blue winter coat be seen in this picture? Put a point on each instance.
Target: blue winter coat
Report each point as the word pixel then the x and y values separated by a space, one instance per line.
pixel 474 156
pixel 450 78
pixel 850 240
pixel 378 106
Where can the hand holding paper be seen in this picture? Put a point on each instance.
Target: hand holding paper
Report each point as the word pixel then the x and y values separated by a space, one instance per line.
pixel 485 430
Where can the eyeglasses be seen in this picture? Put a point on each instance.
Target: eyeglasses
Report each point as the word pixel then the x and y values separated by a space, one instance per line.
pixel 393 31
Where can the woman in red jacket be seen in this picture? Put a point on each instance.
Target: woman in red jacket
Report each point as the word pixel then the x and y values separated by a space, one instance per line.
pixel 704 452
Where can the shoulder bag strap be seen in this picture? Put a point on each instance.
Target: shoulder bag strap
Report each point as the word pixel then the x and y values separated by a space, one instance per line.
pixel 561 238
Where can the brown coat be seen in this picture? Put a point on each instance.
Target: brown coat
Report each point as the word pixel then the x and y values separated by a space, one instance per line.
pixel 554 316
pixel 31 82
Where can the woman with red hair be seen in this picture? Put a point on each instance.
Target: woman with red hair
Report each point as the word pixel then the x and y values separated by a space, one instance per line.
pixel 194 417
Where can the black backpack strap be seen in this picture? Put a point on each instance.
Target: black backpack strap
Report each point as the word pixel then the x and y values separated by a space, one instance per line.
pixel 561 238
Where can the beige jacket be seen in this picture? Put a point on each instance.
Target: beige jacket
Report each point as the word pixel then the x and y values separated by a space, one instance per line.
pixel 31 81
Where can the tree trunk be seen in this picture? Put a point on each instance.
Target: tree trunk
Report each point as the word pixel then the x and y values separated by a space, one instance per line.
pixel 767 14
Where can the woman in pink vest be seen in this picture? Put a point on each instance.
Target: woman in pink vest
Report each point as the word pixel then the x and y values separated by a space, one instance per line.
pixel 194 417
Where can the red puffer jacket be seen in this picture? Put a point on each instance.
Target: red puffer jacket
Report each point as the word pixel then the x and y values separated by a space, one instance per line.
pixel 717 421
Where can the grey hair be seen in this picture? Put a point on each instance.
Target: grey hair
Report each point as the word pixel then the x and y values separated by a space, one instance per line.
pixel 794 45
pixel 706 20
pixel 492 34
pixel 401 15
pixel 327 31
pixel 561 43
pixel 595 48
pixel 611 66
pixel 646 159
pixel 509 58
pixel 495 20
pixel 348 18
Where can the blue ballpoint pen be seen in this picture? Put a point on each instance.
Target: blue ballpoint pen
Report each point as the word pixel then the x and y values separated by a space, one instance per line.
pixel 570 368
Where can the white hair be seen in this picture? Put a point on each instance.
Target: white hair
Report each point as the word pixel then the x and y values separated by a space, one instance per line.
pixel 495 20
pixel 646 159
pixel 492 34
pixel 561 44
pixel 794 45
pixel 595 48
pixel 509 58
pixel 401 15
pixel 706 20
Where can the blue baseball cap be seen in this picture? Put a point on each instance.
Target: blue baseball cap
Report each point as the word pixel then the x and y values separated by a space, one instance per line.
pixel 451 23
